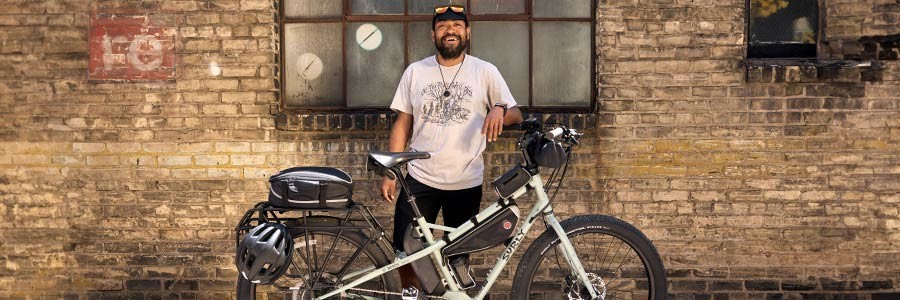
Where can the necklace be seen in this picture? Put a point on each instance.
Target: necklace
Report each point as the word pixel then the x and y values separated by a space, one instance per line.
pixel 444 83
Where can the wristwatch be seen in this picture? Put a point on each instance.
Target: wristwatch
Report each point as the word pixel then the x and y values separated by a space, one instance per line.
pixel 503 106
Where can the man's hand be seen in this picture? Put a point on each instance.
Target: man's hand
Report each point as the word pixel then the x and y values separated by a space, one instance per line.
pixel 388 188
pixel 493 124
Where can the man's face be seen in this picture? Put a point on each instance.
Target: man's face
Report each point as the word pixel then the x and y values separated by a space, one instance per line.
pixel 451 37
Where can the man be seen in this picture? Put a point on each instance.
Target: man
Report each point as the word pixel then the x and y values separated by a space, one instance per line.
pixel 449 105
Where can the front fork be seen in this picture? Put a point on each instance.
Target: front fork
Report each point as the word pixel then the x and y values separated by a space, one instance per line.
pixel 570 255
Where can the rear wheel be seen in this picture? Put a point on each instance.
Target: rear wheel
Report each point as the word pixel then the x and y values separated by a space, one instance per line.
pixel 619 260
pixel 323 260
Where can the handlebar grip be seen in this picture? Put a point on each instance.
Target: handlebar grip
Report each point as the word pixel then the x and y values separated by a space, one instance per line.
pixel 553 134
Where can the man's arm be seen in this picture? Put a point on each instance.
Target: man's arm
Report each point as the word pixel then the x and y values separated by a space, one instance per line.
pixel 513 116
pixel 495 120
pixel 400 134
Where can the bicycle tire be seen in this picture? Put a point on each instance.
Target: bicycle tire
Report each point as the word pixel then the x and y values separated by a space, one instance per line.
pixel 541 267
pixel 309 258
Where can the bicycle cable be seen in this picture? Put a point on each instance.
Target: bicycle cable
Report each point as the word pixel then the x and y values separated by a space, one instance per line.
pixel 561 177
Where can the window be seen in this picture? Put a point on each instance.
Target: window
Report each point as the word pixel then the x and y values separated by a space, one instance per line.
pixel 350 54
pixel 783 29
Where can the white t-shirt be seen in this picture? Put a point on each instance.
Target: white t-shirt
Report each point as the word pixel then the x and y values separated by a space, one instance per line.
pixel 449 128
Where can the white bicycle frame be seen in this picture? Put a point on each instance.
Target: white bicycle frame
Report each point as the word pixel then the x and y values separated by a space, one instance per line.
pixel 433 248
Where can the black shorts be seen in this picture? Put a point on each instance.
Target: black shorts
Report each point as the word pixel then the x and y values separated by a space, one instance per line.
pixel 459 206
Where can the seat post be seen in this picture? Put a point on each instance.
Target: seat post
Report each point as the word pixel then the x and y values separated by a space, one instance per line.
pixel 405 187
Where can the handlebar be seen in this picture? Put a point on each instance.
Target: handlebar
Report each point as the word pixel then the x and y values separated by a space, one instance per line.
pixel 567 135
pixel 534 132
pixel 547 148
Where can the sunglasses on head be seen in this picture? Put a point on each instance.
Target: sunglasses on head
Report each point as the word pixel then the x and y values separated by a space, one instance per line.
pixel 455 8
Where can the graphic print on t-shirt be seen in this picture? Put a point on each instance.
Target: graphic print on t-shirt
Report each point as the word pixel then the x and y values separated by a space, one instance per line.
pixel 445 111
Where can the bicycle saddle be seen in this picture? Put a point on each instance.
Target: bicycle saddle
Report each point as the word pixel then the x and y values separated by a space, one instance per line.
pixel 392 159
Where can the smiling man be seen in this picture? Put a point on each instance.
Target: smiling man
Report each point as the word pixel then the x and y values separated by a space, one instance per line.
pixel 449 105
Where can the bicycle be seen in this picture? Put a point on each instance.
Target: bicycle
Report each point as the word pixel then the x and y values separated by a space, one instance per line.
pixel 359 262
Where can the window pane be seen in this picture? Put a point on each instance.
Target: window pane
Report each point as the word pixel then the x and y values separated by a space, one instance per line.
pixel 420 44
pixel 376 7
pixel 794 21
pixel 561 9
pixel 491 7
pixel 505 44
pixel 312 8
pixel 374 62
pixel 313 65
pixel 562 63
pixel 426 7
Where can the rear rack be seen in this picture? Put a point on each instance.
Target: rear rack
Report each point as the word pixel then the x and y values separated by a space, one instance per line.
pixel 355 217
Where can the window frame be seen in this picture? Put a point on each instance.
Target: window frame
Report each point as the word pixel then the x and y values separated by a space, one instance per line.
pixel 405 19
pixel 820 35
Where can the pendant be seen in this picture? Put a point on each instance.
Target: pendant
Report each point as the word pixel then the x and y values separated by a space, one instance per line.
pixel 446 93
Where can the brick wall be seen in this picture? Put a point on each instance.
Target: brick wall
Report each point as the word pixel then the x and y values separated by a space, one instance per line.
pixel 753 181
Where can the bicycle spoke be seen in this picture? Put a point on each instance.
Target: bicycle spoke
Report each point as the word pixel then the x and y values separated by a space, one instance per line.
pixel 343 271
pixel 318 276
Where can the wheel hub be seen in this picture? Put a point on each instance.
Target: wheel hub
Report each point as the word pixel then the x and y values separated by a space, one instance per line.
pixel 575 289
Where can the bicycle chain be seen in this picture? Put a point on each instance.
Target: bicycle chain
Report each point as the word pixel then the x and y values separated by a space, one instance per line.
pixel 386 293
pixel 391 293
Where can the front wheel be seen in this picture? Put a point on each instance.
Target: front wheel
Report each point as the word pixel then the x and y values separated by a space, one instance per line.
pixel 619 260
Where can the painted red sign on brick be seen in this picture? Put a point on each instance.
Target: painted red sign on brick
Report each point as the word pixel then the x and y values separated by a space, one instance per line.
pixel 127 46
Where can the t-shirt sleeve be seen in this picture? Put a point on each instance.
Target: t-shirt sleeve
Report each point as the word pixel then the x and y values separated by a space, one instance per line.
pixel 498 91
pixel 402 102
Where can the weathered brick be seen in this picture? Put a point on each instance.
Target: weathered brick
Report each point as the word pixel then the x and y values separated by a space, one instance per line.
pixel 220 109
pixel 174 160
pixel 104 160
pixel 88 147
pixel 761 285
pixel 248 160
pixel 30 159
pixel 238 97
pixel 233 147
pixel 143 285
pixel 720 286
pixel 211 160
pixel 160 147
pixel 202 45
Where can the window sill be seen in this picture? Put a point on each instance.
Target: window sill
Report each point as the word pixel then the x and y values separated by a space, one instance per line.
pixel 382 120
pixel 811 70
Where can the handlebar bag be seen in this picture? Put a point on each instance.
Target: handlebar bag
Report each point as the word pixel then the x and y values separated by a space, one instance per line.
pixel 310 187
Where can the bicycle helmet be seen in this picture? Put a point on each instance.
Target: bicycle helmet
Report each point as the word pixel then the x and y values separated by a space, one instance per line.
pixel 264 253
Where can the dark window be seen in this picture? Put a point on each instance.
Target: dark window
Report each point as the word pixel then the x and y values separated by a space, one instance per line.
pixel 783 29
pixel 350 54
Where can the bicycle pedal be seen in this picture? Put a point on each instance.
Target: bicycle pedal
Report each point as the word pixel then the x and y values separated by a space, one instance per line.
pixel 462 273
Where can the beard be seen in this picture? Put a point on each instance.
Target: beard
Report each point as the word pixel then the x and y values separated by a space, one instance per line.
pixel 450 52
